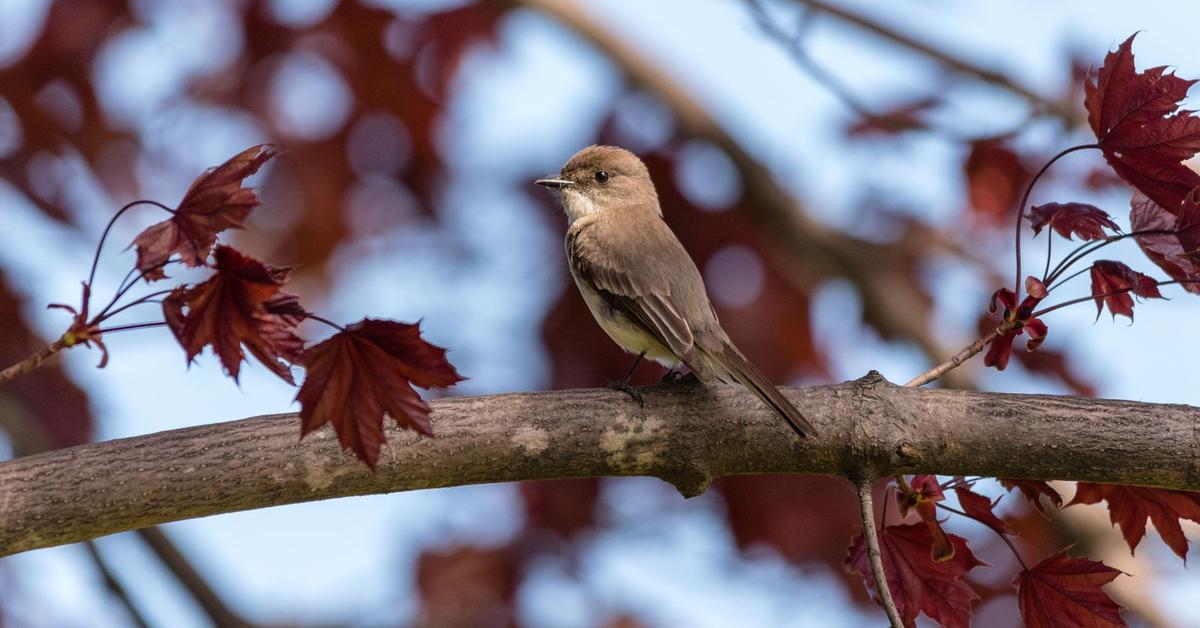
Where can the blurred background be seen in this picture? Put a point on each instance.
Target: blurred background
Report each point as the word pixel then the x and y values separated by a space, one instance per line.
pixel 844 172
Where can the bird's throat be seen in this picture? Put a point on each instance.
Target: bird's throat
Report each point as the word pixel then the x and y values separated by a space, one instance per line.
pixel 576 205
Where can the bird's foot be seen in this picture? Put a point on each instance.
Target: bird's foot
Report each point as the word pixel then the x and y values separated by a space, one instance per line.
pixel 625 387
pixel 670 377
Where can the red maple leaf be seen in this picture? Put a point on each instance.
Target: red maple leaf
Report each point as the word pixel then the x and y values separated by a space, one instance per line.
pixel 1018 318
pixel 1086 221
pixel 1064 592
pixel 1143 133
pixel 216 201
pixel 1130 506
pixel 230 310
pixel 1140 129
pixel 979 507
pixel 918 583
pixel 1164 249
pixel 1110 278
pixel 364 371
pixel 1033 490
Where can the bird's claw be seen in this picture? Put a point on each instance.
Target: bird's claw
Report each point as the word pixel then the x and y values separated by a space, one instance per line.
pixel 625 387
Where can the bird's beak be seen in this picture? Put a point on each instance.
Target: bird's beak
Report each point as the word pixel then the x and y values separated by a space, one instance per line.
pixel 556 184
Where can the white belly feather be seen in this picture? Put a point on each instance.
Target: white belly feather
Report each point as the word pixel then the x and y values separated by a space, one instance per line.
pixel 628 335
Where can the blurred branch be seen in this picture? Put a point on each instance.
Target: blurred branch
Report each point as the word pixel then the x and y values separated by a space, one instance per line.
pixel 210 602
pixel 1067 112
pixel 114 586
pixel 806 252
pixel 685 435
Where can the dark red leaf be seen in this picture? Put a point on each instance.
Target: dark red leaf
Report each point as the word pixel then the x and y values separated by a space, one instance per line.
pixel 1109 278
pixel 1018 319
pixel 918 583
pixel 1064 592
pixel 1164 249
pixel 979 507
pixel 1086 221
pixel 1143 134
pixel 364 371
pixel 1130 506
pixel 229 310
pixel 1033 490
pixel 995 177
pixel 216 201
pixel 922 494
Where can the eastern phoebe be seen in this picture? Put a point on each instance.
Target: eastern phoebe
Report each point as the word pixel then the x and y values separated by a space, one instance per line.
pixel 640 284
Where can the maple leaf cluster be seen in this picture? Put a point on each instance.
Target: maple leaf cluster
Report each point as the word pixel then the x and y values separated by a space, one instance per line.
pixel 1144 136
pixel 925 567
pixel 355 378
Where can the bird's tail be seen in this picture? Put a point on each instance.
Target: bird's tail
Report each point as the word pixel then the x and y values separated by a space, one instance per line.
pixel 729 365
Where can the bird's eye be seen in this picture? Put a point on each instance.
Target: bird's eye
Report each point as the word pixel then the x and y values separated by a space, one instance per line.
pixel 601 176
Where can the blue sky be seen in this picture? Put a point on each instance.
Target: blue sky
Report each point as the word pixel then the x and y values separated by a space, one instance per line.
pixel 678 567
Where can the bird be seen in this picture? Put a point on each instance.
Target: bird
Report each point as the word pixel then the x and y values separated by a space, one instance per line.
pixel 639 282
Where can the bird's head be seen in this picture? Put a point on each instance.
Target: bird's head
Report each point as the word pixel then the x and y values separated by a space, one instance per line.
pixel 603 179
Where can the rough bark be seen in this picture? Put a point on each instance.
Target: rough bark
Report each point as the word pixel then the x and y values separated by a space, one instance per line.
pixel 686 435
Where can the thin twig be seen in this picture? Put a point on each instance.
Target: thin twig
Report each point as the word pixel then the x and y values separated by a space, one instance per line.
pixel 956 360
pixel 866 510
pixel 1063 110
pixel 33 361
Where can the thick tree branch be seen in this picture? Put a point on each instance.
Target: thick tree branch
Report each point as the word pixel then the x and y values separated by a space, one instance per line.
pixel 686 435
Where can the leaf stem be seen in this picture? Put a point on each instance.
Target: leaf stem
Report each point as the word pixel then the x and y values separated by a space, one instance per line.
pixel 1073 275
pixel 1087 248
pixel 32 362
pixel 107 228
pixel 1025 200
pixel 148 298
pixel 1049 246
pixel 1000 533
pixel 134 326
pixel 866 510
pixel 126 287
pixel 324 320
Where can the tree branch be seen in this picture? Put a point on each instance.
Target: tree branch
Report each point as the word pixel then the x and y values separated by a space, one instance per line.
pixel 686 435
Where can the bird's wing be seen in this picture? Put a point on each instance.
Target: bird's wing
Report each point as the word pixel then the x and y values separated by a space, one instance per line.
pixel 642 296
